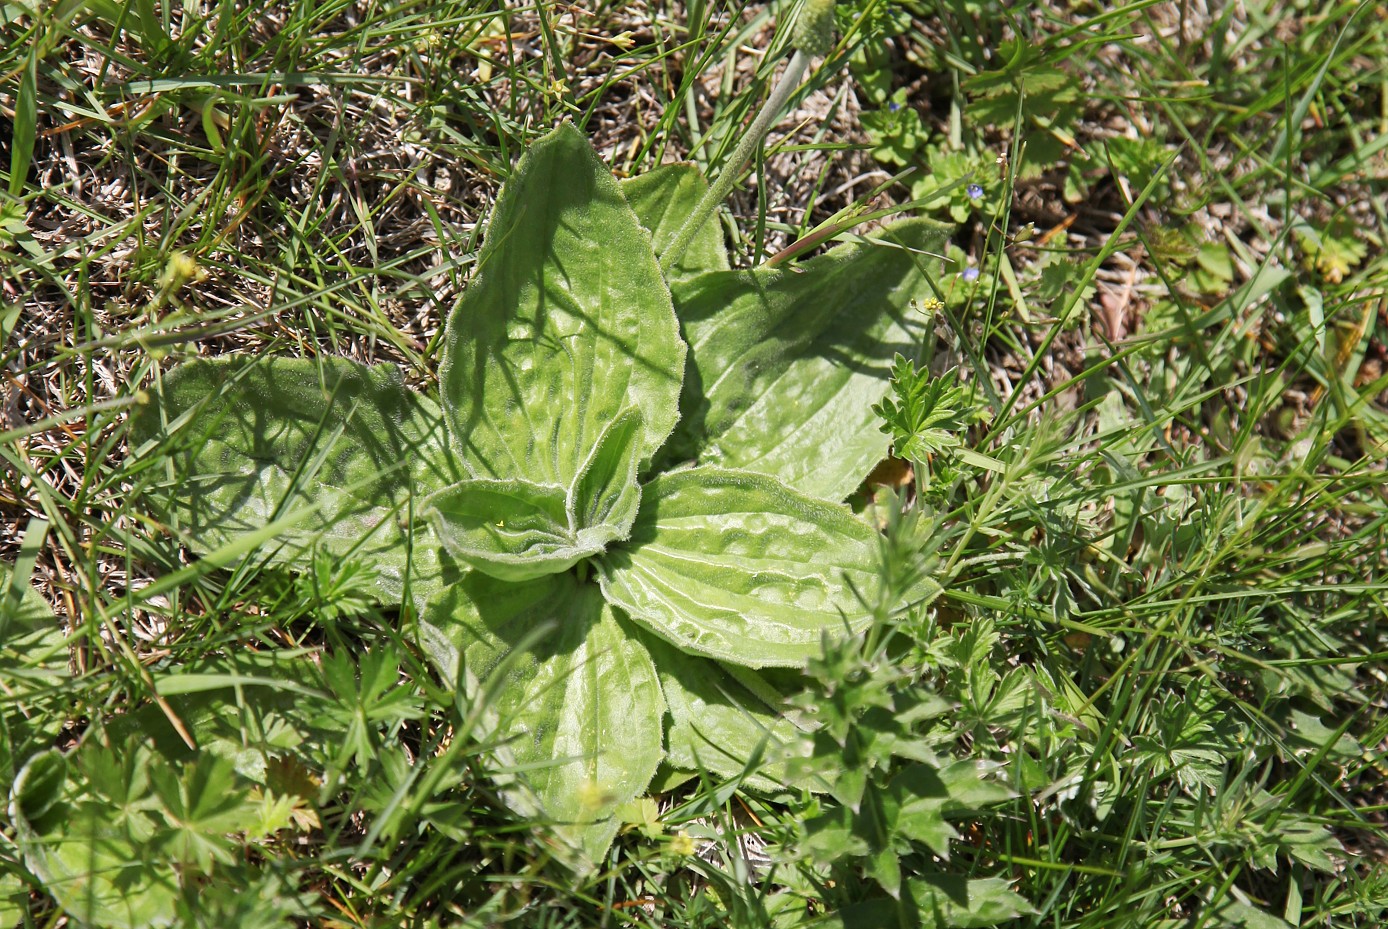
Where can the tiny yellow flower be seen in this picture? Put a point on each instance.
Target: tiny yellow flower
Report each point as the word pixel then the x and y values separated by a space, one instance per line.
pixel 593 796
pixel 180 269
pixel 681 844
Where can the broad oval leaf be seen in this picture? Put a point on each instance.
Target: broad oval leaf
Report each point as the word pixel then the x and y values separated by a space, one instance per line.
pixel 663 199
pixel 567 323
pixel 333 453
pixel 566 684
pixel 737 566
pixel 785 366
pixel 516 530
pixel 33 661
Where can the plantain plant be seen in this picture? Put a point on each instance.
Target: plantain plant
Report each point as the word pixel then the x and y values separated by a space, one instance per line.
pixel 625 511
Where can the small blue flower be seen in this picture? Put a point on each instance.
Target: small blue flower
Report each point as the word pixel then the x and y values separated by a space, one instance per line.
pixel 974 191
pixel 969 274
pixel 893 106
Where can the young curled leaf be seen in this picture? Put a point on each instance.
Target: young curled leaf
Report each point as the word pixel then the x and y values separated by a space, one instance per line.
pixel 516 530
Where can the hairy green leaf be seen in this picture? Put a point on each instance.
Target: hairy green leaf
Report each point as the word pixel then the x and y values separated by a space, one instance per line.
pixel 786 365
pixel 663 199
pixel 567 685
pixel 737 566
pixel 567 324
pixel 515 530
pixel 343 453
pixel 722 716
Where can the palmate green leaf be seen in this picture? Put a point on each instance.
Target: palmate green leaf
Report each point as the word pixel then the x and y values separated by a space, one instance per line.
pixel 123 835
pixel 86 858
pixel 1230 913
pixel 568 686
pixel 202 804
pixel 662 199
pixel 219 700
pixel 923 796
pixel 342 452
pixel 739 567
pixel 719 717
pixel 567 324
pixel 516 530
pixel 939 900
pixel 785 365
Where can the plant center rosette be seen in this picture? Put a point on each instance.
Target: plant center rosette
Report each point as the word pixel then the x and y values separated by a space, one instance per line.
pixel 626 512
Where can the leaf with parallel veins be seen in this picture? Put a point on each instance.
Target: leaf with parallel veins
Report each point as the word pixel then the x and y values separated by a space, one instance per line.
pixel 784 366
pixel 570 689
pixel 342 454
pixel 567 324
pixel 739 567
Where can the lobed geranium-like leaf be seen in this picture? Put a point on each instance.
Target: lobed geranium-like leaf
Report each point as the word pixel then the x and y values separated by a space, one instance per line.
pixel 86 859
pixel 662 199
pixel 784 366
pixel 215 701
pixel 737 566
pixel 922 796
pixel 341 454
pixel 717 722
pixel 516 530
pixel 123 836
pixel 944 900
pixel 569 687
pixel 567 323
